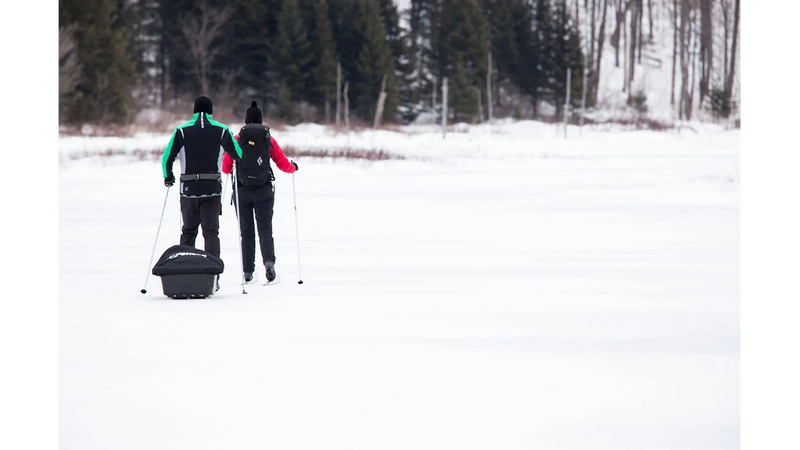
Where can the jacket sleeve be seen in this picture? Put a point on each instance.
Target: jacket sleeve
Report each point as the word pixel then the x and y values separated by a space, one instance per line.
pixel 227 161
pixel 227 164
pixel 230 145
pixel 280 159
pixel 171 152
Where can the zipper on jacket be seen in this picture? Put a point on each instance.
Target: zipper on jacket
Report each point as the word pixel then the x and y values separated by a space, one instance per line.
pixel 202 122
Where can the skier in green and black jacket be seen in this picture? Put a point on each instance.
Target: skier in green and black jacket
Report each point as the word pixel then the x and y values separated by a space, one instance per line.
pixel 201 143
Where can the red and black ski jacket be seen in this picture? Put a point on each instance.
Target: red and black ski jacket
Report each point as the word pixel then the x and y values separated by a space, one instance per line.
pixel 275 152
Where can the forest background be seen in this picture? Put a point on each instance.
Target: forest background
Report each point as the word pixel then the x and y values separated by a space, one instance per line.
pixel 124 62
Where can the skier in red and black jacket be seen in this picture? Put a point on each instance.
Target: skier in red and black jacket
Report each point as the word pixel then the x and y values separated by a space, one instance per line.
pixel 200 143
pixel 256 193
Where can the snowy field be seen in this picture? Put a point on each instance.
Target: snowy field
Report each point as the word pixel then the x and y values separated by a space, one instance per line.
pixel 503 288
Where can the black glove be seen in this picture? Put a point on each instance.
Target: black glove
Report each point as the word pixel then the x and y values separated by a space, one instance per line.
pixel 295 166
pixel 169 181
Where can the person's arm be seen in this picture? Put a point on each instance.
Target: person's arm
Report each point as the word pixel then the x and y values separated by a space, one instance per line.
pixel 280 159
pixel 230 145
pixel 227 161
pixel 170 153
pixel 227 164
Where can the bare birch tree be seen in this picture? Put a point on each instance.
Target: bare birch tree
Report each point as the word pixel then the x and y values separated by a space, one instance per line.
pixel 706 47
pixel 200 33
pixel 674 47
pixel 379 105
pixel 685 106
pixel 732 71
pixel 600 41
pixel 338 93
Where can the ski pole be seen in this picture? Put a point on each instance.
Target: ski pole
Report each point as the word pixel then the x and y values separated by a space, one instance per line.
pixel 238 219
pixel 144 289
pixel 296 231
pixel 224 191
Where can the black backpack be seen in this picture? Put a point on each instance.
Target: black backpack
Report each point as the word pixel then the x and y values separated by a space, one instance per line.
pixel 254 168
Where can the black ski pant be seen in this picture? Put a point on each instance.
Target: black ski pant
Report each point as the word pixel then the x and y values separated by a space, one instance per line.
pixel 258 201
pixel 201 212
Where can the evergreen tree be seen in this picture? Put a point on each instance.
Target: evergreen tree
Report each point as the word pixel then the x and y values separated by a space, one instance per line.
pixel 247 50
pixel 175 64
pixel 285 103
pixel 460 49
pixel 292 52
pixel 322 82
pixel 461 88
pixel 416 90
pixel 104 91
pixel 399 45
pixel 141 24
pixel 394 34
pixel 374 62
pixel 511 28
pixel 566 54
pixel 344 14
pixel 539 86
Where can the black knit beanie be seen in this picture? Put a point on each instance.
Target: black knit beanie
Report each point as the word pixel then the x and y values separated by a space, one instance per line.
pixel 253 114
pixel 203 104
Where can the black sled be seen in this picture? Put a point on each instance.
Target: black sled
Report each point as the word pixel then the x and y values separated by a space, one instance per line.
pixel 187 272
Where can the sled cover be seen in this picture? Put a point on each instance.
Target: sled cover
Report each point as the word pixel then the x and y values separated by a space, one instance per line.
pixel 186 260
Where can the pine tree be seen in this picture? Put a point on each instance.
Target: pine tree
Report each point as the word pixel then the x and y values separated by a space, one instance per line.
pixel 104 90
pixel 373 63
pixel 394 34
pixel 247 49
pixel 285 103
pixel 417 85
pixel 510 23
pixel 399 45
pixel 177 79
pixel 539 85
pixel 460 49
pixel 292 51
pixel 322 83
pixel 566 54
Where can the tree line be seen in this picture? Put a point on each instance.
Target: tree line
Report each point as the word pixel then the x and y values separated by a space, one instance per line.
pixel 298 57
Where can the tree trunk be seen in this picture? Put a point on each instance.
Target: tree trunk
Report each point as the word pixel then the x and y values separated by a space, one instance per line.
pixel 632 48
pixel 592 33
pixel 347 106
pixel 674 47
pixel 338 93
pixel 379 106
pixel 732 71
pixel 706 47
pixel 685 104
pixel 600 41
pixel 489 105
pixel 444 107
pixel 480 104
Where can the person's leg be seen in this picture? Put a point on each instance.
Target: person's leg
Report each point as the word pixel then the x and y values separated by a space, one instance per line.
pixel 191 220
pixel 209 219
pixel 264 211
pixel 248 230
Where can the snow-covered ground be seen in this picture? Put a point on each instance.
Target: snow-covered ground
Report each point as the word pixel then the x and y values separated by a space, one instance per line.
pixel 501 288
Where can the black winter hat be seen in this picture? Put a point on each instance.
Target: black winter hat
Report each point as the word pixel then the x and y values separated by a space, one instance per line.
pixel 203 104
pixel 253 114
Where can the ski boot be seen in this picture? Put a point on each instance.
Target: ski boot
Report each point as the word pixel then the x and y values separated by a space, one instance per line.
pixel 270 265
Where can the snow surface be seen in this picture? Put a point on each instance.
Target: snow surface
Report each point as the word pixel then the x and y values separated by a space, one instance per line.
pixel 501 288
